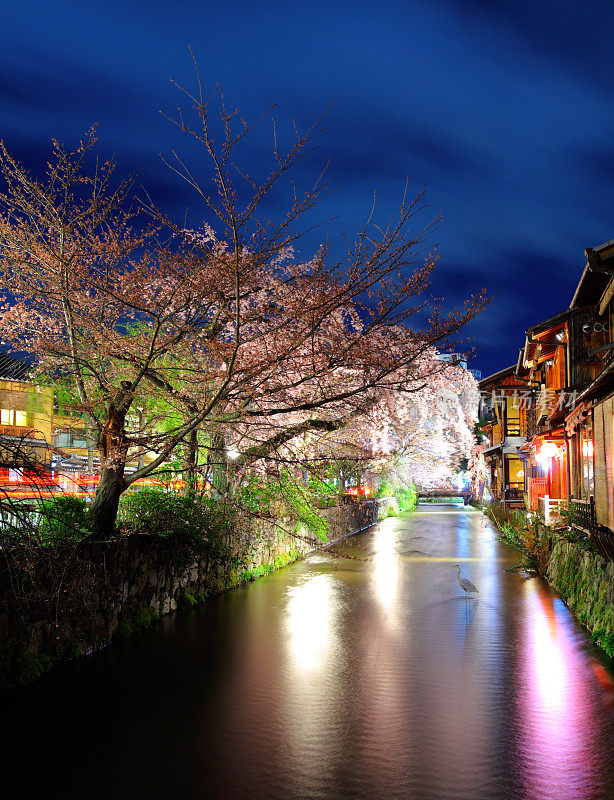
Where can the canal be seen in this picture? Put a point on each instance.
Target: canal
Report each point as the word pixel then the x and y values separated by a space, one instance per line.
pixel 366 675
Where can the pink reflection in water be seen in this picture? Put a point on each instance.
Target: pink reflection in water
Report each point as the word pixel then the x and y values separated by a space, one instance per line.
pixel 556 706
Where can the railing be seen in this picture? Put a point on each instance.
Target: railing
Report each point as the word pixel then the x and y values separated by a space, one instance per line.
pixel 551 507
pixel 583 518
pixel 582 515
pixel 16 430
pixel 537 487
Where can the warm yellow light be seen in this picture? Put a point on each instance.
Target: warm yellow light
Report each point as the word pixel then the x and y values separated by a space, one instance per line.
pixel 386 563
pixel 309 621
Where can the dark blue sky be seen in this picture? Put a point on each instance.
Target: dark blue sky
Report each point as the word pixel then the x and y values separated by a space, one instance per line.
pixel 503 109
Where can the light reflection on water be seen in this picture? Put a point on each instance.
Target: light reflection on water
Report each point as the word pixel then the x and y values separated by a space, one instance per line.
pixel 385 565
pixel 371 678
pixel 308 616
pixel 557 704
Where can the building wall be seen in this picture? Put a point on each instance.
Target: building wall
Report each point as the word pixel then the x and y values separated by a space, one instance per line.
pixel 604 462
pixel 25 411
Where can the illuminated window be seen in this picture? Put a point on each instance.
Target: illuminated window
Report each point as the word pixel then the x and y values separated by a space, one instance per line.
pixel 587 458
pixel 10 417
pixel 513 416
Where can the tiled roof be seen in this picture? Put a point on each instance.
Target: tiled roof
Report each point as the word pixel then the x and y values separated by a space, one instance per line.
pixel 11 369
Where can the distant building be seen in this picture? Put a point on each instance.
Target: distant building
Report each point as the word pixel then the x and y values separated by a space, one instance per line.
pixel 453 358
pixel 25 417
pixel 506 420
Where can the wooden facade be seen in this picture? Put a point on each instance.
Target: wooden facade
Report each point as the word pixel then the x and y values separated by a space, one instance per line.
pixel 566 367
pixel 505 409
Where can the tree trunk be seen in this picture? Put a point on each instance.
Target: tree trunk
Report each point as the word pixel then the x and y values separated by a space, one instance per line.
pixel 141 463
pixel 341 475
pixel 89 440
pixel 103 511
pixel 114 452
pixel 219 466
pixel 190 453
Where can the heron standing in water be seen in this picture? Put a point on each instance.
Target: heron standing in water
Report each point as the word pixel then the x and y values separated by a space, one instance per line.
pixel 464 583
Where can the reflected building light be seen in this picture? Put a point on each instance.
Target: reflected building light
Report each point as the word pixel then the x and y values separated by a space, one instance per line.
pixel 555 707
pixel 548 660
pixel 386 567
pixel 309 621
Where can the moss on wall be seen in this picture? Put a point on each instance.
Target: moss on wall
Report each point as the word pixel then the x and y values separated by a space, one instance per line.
pixel 585 581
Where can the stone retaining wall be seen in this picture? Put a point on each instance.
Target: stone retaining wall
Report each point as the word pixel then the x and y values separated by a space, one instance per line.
pixel 76 599
pixel 585 581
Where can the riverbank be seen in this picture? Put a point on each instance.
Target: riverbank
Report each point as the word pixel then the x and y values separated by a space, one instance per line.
pixel 339 678
pixel 74 600
pixel 582 576
pixel 585 581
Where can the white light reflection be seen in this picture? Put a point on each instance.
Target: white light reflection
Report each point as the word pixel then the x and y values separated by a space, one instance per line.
pixel 309 621
pixel 386 564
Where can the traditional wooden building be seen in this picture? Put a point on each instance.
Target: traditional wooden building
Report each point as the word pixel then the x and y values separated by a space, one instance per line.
pixel 590 426
pixel 545 365
pixel 550 419
pixel 504 409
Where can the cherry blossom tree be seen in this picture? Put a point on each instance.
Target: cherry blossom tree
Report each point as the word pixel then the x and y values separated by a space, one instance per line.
pixel 421 437
pixel 220 329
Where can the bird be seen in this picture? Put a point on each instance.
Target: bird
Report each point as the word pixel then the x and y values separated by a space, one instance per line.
pixel 464 583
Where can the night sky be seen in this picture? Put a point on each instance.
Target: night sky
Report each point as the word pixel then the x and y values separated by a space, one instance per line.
pixel 502 109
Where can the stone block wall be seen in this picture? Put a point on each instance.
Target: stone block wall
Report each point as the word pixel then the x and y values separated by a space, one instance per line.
pixel 79 597
pixel 585 581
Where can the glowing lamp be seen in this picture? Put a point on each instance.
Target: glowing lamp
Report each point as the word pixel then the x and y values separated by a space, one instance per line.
pixel 548 450
pixel 587 448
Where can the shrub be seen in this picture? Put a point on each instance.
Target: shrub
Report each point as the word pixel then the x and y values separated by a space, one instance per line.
pixel 63 519
pixel 521 534
pixel 285 494
pixel 204 522
pixel 405 495
pixel 136 619
pixel 23 667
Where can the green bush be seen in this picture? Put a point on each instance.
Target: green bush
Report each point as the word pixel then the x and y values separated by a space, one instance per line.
pixel 201 520
pixel 406 495
pixel 63 519
pixel 283 494
pixel 135 620
pixel 322 493
pixel 23 667
pixel 165 513
pixel 521 534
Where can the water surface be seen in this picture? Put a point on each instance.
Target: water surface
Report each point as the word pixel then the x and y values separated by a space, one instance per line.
pixel 370 676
